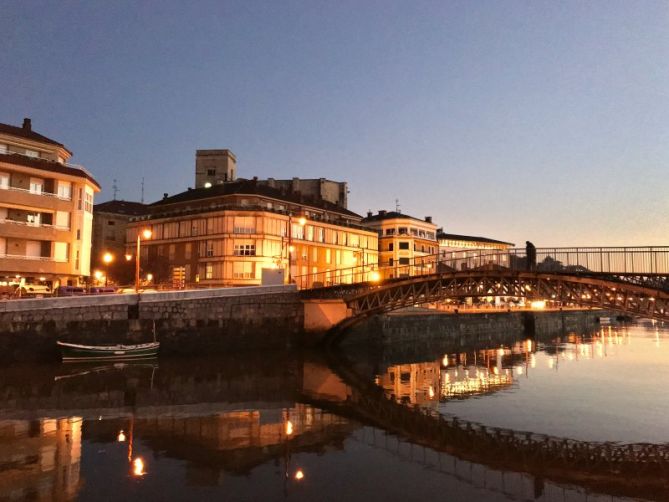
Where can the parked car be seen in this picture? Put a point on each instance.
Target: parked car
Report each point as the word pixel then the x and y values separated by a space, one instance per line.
pixel 101 290
pixel 70 291
pixel 35 291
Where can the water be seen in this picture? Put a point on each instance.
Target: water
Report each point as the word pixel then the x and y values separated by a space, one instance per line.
pixel 300 426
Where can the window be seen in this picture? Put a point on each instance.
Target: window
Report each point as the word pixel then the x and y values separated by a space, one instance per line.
pixel 63 219
pixel 76 261
pixel 402 230
pixel 88 203
pixel 390 246
pixel 36 186
pixel 404 245
pixel 391 262
pixel 390 231
pixel 32 153
pixel 3 148
pixel 110 222
pixel 245 250
pixel 208 271
pixel 81 199
pixel 78 234
pixel 242 270
pixel 4 181
pixel 244 225
pixel 211 172
pixel 188 250
pixel 404 261
pixel 64 190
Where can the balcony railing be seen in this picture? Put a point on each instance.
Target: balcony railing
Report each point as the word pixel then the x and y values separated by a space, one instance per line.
pixel 30 224
pixel 32 258
pixel 24 190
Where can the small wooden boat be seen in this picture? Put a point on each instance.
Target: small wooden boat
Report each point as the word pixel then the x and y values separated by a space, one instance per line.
pixel 76 352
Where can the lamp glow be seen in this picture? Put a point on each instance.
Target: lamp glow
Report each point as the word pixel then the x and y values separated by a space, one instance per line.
pixel 138 467
pixel 121 436
pixel 299 475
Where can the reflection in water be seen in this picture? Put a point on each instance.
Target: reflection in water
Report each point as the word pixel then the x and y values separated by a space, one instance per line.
pixel 291 426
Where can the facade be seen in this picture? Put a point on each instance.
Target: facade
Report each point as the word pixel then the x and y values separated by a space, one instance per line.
pixel 213 167
pixel 46 210
pixel 453 247
pixel 335 192
pixel 407 245
pixel 110 221
pixel 225 235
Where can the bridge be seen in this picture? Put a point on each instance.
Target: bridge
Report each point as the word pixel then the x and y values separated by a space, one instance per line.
pixel 629 280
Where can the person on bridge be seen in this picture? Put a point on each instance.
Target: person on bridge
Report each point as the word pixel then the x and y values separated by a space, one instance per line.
pixel 530 256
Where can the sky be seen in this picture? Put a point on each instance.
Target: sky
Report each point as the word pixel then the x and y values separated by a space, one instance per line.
pixel 514 120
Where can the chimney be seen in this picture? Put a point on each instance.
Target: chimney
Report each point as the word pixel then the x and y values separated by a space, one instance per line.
pixel 27 124
pixel 428 219
pixel 382 212
pixel 165 196
pixel 369 214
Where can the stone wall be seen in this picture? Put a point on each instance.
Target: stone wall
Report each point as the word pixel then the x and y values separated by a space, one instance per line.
pixel 185 322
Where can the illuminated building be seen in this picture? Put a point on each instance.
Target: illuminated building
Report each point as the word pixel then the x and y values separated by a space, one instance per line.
pixel 403 240
pixel 453 247
pixel 226 234
pixel 46 209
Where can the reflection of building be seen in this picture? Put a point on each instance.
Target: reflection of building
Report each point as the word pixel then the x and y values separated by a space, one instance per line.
pixel 46 209
pixel 40 459
pixel 403 240
pixel 227 234
pixel 412 383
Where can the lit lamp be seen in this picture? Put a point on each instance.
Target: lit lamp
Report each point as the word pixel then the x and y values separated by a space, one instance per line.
pixel 107 258
pixel 146 233
pixel 98 275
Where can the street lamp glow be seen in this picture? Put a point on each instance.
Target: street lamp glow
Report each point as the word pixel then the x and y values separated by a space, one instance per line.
pixel 128 257
pixel 146 233
pixel 302 221
pixel 108 258
pixel 121 436
pixel 98 274
pixel 149 277
pixel 374 276
pixel 289 428
pixel 138 467
pixel 299 475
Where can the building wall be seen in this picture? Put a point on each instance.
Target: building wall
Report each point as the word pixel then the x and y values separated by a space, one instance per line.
pixel 214 166
pixel 335 192
pixel 402 242
pixel 231 247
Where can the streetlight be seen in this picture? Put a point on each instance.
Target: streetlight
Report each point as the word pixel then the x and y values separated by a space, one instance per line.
pixel 146 233
pixel 107 258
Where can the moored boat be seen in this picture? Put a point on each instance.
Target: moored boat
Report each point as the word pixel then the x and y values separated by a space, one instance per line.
pixel 77 352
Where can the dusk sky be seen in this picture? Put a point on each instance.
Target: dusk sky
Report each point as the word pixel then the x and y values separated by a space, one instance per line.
pixel 546 121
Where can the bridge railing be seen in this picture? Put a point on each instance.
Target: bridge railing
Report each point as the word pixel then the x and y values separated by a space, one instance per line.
pixel 643 261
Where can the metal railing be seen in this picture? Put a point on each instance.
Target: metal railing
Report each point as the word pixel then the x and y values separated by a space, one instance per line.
pixel 641 261
pixel 32 224
pixel 33 192
pixel 32 258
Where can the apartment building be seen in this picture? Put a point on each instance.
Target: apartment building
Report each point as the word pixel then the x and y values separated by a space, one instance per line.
pixel 226 234
pixel 455 248
pixel 46 210
pixel 407 245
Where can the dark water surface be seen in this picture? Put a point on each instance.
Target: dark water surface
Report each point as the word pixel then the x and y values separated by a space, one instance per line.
pixel 306 426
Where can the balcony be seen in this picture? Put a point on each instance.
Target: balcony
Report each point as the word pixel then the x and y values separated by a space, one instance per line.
pixel 42 231
pixel 43 200
pixel 20 264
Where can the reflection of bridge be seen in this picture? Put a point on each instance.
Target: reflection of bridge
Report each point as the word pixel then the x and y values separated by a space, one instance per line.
pixel 544 456
pixel 634 281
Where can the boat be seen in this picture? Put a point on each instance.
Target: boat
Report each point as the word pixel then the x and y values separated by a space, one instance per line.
pixel 76 352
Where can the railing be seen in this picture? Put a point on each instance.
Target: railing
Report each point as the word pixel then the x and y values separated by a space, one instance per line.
pixel 32 258
pixel 41 192
pixel 31 224
pixel 641 261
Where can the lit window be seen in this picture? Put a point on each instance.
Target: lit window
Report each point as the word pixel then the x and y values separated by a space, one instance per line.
pixel 245 250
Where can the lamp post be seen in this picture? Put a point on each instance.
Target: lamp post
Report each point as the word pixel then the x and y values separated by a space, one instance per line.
pixel 107 258
pixel 146 233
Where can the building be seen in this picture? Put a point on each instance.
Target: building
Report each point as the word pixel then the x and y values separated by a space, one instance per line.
pixel 46 210
pixel 226 234
pixel 407 245
pixel 457 248
pixel 214 167
pixel 110 220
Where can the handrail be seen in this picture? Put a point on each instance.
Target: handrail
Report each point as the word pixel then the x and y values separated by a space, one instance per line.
pixel 30 224
pixel 25 190
pixel 32 258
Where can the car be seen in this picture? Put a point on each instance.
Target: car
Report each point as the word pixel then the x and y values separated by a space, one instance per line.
pixel 35 291
pixel 70 291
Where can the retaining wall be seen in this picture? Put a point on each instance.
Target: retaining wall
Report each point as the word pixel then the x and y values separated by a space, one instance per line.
pixel 197 322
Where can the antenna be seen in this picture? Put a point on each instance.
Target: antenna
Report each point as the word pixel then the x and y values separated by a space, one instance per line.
pixel 397 205
pixel 142 200
pixel 115 188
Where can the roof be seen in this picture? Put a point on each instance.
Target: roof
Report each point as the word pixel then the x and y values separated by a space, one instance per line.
pixel 125 207
pixel 390 215
pixel 251 187
pixel 28 133
pixel 469 238
pixel 47 165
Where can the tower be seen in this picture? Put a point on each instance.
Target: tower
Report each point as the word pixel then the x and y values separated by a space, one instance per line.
pixel 215 167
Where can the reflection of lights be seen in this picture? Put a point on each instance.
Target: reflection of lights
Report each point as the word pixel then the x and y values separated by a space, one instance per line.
pixel 121 436
pixel 299 475
pixel 289 428
pixel 538 304
pixel 444 361
pixel 500 352
pixel 533 361
pixel 551 362
pixel 374 276
pixel 519 370
pixel 495 370
pixel 138 467
pixel 528 342
pixel 430 392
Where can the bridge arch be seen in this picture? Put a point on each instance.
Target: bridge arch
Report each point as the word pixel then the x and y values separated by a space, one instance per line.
pixel 628 294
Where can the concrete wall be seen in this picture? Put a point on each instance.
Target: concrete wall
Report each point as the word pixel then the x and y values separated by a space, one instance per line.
pixel 186 322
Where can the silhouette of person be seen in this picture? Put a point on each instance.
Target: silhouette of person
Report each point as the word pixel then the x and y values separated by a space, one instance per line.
pixel 530 256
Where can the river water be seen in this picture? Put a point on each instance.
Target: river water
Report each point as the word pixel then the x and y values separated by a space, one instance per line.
pixel 306 426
